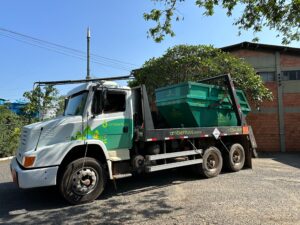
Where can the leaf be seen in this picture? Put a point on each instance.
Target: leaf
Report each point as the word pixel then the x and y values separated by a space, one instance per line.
pixel 282 16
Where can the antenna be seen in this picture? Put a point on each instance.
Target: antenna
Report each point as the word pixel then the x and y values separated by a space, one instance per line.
pixel 88 77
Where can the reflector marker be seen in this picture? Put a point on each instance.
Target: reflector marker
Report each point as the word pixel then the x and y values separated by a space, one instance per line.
pixel 151 139
pixel 169 138
pixel 245 130
pixel 184 137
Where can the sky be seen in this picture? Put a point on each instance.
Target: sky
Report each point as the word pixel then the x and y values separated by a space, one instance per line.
pixel 118 38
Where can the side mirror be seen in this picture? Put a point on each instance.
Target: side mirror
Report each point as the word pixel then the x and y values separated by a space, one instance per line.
pixel 103 99
pixel 99 101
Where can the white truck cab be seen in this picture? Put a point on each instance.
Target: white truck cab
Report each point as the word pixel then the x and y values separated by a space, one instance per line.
pixel 97 121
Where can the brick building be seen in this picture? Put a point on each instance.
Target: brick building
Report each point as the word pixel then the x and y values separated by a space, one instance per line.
pixel 276 124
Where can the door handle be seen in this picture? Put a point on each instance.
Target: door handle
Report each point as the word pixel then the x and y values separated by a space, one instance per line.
pixel 125 129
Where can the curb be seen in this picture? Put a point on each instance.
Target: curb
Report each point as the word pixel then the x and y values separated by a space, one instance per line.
pixel 6 158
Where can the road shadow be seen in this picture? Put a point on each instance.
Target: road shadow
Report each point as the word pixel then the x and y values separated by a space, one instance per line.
pixel 13 198
pixel 291 159
pixel 108 209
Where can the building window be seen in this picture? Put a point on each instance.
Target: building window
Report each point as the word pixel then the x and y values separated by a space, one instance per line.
pixel 267 76
pixel 291 75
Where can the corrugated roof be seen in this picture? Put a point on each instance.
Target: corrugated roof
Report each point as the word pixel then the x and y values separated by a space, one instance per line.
pixel 258 46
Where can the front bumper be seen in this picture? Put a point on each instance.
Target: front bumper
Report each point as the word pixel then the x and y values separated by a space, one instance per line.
pixel 30 178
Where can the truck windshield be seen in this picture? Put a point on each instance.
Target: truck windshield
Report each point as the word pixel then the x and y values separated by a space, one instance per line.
pixel 75 104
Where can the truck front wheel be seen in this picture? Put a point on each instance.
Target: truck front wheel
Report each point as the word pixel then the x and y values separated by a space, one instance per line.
pixel 82 181
pixel 212 162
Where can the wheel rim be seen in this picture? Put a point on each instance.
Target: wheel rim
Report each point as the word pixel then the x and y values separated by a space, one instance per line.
pixel 236 156
pixel 84 181
pixel 212 161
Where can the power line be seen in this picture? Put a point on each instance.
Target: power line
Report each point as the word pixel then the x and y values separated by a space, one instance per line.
pixel 64 47
pixel 66 53
pixel 81 57
pixel 104 61
pixel 40 46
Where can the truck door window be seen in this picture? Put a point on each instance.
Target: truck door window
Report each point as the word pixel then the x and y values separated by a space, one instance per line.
pixel 115 102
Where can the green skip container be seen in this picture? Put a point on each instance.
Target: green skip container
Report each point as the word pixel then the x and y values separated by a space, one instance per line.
pixel 192 104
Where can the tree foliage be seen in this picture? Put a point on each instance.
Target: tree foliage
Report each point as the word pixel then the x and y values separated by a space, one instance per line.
pixel 192 63
pixel 282 16
pixel 40 100
pixel 60 105
pixel 10 130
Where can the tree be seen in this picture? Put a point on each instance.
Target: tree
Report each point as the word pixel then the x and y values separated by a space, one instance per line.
pixel 40 101
pixel 192 63
pixel 10 130
pixel 60 105
pixel 282 16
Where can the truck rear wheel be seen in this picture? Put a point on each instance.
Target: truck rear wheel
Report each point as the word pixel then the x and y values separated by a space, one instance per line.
pixel 212 162
pixel 78 184
pixel 235 159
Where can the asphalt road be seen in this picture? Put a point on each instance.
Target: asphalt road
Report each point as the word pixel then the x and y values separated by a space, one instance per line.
pixel 267 194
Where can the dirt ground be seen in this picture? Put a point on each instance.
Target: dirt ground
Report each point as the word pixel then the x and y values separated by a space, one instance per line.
pixel 267 194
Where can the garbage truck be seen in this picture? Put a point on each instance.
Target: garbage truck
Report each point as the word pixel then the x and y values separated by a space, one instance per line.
pixel 108 132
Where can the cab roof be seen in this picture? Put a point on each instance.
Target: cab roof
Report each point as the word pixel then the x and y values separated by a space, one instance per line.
pixel 87 86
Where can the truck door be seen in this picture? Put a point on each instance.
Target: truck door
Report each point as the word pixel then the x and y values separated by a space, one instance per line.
pixel 112 119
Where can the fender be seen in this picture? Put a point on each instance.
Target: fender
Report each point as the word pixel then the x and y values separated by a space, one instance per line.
pixel 105 152
pixel 102 147
pixel 96 142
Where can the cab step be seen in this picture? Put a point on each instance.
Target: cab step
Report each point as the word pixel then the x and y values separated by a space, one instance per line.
pixel 173 154
pixel 150 169
pixel 123 175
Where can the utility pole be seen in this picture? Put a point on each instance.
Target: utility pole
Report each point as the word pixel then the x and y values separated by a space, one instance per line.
pixel 88 77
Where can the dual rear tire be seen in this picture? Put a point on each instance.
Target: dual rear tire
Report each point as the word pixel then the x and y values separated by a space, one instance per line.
pixel 213 161
pixel 235 159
